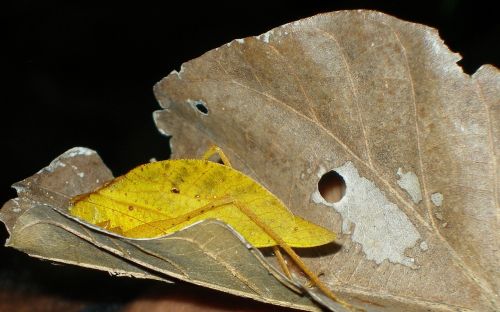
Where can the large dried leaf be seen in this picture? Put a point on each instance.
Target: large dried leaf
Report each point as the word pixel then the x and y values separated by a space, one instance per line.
pixel 209 253
pixel 382 102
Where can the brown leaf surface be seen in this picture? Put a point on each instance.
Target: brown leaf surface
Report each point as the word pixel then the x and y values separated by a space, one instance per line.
pixel 209 254
pixel 382 102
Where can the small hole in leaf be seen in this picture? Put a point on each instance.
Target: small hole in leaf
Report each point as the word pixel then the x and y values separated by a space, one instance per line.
pixel 201 107
pixel 332 186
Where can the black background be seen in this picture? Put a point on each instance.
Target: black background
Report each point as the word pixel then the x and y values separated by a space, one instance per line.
pixel 81 74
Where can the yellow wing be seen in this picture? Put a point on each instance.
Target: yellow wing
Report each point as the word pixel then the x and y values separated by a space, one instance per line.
pixel 163 197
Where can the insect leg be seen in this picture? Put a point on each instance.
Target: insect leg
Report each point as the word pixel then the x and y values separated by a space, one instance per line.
pixel 282 261
pixel 269 231
pixel 161 227
pixel 214 149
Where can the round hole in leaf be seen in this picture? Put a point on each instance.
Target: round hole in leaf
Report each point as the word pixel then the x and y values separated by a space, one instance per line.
pixel 332 186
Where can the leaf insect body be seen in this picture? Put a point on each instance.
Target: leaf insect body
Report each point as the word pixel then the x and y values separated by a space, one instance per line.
pixel 114 194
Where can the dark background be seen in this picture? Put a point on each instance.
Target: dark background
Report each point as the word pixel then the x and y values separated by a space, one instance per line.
pixel 81 74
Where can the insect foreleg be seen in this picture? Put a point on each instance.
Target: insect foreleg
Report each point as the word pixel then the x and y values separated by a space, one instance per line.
pixel 214 149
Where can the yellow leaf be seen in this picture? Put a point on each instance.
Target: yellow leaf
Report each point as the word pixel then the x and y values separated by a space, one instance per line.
pixel 163 197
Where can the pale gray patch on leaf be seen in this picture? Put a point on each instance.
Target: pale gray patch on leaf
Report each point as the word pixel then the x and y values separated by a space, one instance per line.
pixel 437 199
pixel 56 163
pixel 424 246
pixel 73 152
pixel 15 208
pixel 409 182
pixel 77 151
pixel 381 228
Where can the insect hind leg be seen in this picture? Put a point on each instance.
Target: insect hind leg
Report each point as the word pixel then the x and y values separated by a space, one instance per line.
pixel 162 227
pixel 295 258
pixel 282 262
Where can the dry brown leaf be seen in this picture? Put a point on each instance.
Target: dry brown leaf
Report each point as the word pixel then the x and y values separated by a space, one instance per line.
pixel 209 254
pixel 40 232
pixel 382 102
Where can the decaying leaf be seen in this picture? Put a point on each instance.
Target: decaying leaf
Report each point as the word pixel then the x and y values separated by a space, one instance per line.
pixel 210 253
pixel 383 103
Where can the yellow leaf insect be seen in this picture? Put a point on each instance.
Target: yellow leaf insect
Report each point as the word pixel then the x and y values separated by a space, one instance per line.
pixel 163 197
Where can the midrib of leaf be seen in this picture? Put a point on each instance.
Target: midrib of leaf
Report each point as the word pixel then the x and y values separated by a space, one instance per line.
pixel 227 266
pixel 89 237
pixel 344 146
pixel 78 235
pixel 354 90
pixel 491 144
pixel 483 284
pixel 299 82
pixel 417 129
